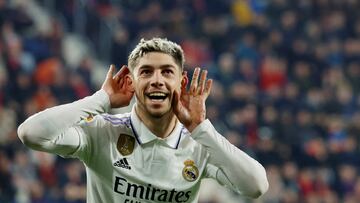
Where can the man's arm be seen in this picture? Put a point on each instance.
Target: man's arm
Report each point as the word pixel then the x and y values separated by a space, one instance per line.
pixel 53 130
pixel 236 169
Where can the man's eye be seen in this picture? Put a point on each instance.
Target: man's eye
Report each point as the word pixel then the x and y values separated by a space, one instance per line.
pixel 168 72
pixel 145 72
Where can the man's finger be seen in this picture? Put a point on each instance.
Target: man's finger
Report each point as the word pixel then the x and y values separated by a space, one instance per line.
pixel 119 78
pixel 202 82
pixel 194 81
pixel 208 87
pixel 121 82
pixel 110 71
pixel 122 72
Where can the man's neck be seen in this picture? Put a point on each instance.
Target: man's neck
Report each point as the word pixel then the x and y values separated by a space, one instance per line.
pixel 161 126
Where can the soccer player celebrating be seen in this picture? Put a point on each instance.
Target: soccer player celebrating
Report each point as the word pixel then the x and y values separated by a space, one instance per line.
pixel 160 151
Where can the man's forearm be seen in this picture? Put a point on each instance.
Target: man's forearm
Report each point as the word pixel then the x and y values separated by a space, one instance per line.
pixel 41 130
pixel 245 174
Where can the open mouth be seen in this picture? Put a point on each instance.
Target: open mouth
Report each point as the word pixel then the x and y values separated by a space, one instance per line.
pixel 157 96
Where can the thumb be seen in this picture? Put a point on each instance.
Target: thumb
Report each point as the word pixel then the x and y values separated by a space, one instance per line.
pixel 107 82
pixel 110 71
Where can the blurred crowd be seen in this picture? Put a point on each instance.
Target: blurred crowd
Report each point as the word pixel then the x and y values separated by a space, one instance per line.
pixel 286 90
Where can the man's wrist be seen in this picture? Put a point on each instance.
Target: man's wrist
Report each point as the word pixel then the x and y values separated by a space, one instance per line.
pixel 205 125
pixel 193 125
pixel 104 99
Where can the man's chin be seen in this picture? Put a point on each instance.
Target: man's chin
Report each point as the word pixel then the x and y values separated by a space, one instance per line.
pixel 158 113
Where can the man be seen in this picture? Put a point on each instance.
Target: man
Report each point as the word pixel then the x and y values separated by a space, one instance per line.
pixel 160 151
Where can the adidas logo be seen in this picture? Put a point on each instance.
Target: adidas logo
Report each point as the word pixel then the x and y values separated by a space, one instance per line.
pixel 123 163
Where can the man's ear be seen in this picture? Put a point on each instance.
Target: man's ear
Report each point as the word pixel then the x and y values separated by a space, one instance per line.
pixel 129 82
pixel 184 80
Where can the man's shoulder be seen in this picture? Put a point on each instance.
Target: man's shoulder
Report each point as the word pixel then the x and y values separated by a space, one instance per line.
pixel 188 141
pixel 115 119
pixel 106 121
pixel 107 127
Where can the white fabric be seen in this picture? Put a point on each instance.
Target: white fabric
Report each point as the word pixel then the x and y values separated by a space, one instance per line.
pixel 156 164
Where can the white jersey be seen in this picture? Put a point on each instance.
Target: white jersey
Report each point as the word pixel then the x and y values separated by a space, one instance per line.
pixel 137 166
pixel 126 162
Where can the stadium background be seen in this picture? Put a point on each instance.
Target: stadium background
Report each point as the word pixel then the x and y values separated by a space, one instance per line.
pixel 286 91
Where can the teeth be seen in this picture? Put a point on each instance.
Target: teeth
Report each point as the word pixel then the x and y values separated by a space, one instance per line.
pixel 157 94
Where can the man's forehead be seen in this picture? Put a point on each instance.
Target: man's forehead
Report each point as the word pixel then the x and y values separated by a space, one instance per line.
pixel 156 59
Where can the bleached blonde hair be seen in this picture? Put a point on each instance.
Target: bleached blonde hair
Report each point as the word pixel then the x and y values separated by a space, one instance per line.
pixel 161 45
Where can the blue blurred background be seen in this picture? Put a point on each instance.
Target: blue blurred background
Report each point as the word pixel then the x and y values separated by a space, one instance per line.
pixel 286 91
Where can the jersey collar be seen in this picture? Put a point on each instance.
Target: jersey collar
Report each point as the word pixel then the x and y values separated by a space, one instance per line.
pixel 143 135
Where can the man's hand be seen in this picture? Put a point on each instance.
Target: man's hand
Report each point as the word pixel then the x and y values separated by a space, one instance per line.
pixel 189 106
pixel 118 87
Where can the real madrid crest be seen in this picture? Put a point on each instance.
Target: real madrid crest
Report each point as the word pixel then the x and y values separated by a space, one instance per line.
pixel 89 118
pixel 190 172
pixel 125 144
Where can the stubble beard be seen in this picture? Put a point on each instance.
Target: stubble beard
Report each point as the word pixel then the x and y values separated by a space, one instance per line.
pixel 158 114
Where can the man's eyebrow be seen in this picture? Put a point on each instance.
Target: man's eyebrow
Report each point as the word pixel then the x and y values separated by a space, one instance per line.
pixel 167 66
pixel 147 66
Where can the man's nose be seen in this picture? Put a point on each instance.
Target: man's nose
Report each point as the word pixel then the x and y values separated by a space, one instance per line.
pixel 157 79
